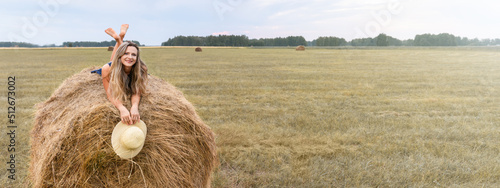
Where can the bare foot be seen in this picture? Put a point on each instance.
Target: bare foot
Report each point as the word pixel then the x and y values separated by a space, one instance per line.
pixel 112 33
pixel 123 30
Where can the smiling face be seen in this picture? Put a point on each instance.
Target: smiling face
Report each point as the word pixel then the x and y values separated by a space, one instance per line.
pixel 130 57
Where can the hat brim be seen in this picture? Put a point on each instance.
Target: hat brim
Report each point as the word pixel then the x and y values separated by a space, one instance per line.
pixel 121 151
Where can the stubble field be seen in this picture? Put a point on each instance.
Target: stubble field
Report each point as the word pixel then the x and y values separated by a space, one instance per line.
pixel 374 117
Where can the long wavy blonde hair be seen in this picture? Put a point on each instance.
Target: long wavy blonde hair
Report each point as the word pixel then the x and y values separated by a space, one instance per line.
pixel 122 85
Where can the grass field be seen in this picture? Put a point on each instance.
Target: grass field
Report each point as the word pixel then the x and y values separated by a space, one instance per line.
pixel 375 117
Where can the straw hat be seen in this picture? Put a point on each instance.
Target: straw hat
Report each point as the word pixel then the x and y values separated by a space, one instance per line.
pixel 128 140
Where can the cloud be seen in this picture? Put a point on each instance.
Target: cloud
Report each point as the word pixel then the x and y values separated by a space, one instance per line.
pixel 283 13
pixel 268 3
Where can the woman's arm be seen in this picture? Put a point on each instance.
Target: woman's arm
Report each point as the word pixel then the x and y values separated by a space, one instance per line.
pixel 124 113
pixel 134 111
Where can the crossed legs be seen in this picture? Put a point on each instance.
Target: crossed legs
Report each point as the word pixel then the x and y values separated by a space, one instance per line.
pixel 117 37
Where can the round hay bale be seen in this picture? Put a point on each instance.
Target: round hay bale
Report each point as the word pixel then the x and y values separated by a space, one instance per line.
pixel 300 48
pixel 111 48
pixel 71 139
pixel 198 49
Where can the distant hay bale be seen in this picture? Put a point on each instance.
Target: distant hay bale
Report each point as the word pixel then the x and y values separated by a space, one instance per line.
pixel 198 49
pixel 300 48
pixel 71 139
pixel 111 48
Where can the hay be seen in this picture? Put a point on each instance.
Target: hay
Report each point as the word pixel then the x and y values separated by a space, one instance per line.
pixel 300 48
pixel 71 139
pixel 110 48
pixel 198 49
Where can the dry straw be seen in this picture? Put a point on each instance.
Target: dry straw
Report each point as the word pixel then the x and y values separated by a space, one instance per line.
pixel 71 139
pixel 300 48
pixel 198 49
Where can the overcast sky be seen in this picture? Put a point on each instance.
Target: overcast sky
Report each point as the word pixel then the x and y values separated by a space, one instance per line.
pixel 155 21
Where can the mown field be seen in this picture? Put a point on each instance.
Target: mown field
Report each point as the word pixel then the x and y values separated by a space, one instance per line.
pixel 374 117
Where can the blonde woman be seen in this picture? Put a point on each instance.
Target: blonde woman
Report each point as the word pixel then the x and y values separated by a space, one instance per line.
pixel 125 76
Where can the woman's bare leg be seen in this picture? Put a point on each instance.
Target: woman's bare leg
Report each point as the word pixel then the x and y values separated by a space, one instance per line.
pixel 123 30
pixel 118 39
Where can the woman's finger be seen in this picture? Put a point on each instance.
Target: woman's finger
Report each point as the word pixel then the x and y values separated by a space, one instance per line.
pixel 127 120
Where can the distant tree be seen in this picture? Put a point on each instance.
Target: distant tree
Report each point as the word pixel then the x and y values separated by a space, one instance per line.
pixel 382 40
pixel 486 42
pixel 256 42
pixel 495 42
pixel 296 41
pixel 461 41
pixel 18 44
pixel 422 40
pixel 363 42
pixel 409 42
pixel 474 42
pixel 394 41
pixel 443 39
pixel 329 41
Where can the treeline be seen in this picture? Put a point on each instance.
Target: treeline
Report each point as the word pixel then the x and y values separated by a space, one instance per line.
pixel 443 39
pixel 328 41
pixel 221 40
pixel 93 44
pixel 23 45
pixel 380 40
pixel 65 44
pixel 233 40
pixel 279 41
